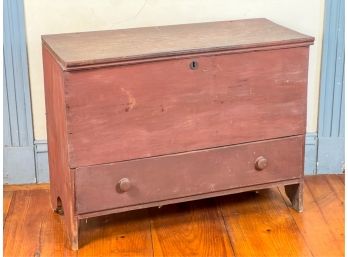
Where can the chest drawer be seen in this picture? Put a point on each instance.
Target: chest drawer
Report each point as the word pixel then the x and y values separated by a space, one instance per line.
pixel 148 180
pixel 157 108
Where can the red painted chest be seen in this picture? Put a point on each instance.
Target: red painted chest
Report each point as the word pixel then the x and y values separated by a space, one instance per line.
pixel 152 116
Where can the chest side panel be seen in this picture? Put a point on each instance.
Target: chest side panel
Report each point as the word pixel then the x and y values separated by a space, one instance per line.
pixel 150 109
pixel 61 177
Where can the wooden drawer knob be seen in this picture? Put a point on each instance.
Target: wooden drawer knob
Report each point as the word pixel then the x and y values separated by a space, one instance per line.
pixel 261 163
pixel 124 185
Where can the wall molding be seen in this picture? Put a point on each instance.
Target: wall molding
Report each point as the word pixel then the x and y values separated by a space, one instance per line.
pixel 330 155
pixel 41 161
pixel 311 147
pixel 19 159
pixel 331 103
pixel 19 165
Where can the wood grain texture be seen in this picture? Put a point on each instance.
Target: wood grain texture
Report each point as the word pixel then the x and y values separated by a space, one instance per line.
pixel 78 49
pixel 264 228
pixel 336 185
pixel 53 238
pixel 342 178
pixel 189 229
pixel 123 234
pixel 331 207
pixel 7 202
pixel 23 225
pixel 32 229
pixel 247 97
pixel 181 175
pixel 61 178
pixel 311 223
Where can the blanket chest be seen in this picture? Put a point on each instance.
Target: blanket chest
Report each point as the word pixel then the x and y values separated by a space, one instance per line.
pixel 152 116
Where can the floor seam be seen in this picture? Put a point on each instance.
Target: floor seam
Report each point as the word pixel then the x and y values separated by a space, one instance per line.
pixel 218 204
pixel 9 212
pixel 332 188
pixel 293 219
pixel 321 213
pixel 152 244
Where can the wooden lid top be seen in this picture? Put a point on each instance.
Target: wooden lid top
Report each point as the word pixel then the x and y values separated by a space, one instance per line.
pixel 111 46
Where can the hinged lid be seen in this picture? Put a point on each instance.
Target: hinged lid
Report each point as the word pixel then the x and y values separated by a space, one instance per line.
pixel 78 50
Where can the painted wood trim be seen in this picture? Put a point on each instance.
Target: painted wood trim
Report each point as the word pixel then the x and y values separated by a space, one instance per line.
pixel 332 72
pixel 19 164
pixel 16 75
pixel 311 147
pixel 41 161
pixel 330 155
pixel 331 105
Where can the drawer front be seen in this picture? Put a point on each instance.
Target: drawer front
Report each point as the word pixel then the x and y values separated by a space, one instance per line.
pixel 129 183
pixel 152 109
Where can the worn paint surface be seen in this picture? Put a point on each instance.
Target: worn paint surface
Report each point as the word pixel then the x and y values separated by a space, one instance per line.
pixel 61 177
pixel 331 111
pixel 150 109
pixel 182 175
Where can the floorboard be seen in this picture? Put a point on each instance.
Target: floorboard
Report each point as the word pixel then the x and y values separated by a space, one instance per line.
pixel 246 224
pixel 342 177
pixel 260 224
pixel 331 207
pixel 9 188
pixel 6 203
pixel 190 229
pixel 25 223
pixel 53 239
pixel 123 234
pixel 336 185
pixel 315 231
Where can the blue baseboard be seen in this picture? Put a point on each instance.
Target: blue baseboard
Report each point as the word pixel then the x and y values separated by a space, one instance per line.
pixel 41 161
pixel 330 155
pixel 310 167
pixel 19 165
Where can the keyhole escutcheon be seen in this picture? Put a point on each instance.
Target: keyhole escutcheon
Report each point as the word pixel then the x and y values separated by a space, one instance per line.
pixel 194 65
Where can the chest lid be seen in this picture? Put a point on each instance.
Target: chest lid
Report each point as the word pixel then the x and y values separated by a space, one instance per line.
pixel 78 50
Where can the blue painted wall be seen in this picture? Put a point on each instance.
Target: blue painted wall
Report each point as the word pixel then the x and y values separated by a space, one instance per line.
pixel 331 104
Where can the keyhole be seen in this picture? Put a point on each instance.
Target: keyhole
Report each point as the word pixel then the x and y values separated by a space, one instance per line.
pixel 194 65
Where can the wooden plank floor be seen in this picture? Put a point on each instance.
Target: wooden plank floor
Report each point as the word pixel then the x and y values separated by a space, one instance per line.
pixel 246 224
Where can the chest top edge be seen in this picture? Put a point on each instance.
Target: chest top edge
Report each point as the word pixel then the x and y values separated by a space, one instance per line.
pixel 85 49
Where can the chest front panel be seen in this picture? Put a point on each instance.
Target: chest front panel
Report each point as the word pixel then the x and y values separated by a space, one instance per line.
pixel 164 107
